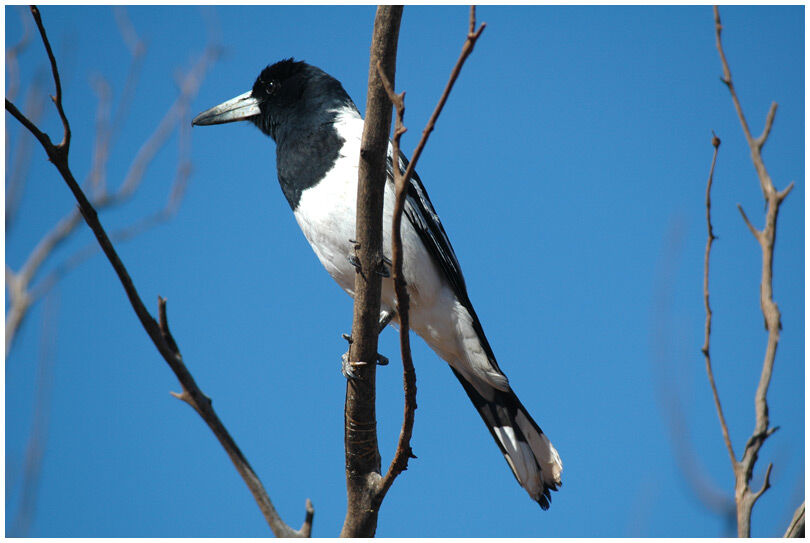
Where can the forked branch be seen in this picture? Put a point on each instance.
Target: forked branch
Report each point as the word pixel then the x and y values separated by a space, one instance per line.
pixel 744 468
pixel 158 332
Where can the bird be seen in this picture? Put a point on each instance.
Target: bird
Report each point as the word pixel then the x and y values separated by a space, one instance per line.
pixel 317 130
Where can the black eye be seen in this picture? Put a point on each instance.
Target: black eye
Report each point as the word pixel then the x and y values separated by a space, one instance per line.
pixel 270 87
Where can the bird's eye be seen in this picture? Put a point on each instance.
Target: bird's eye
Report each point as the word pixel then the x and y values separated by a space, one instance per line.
pixel 270 87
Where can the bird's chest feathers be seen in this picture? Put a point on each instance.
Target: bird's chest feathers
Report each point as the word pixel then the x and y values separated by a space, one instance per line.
pixel 326 211
pixel 326 214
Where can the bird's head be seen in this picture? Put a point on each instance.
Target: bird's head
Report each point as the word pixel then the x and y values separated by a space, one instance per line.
pixel 286 96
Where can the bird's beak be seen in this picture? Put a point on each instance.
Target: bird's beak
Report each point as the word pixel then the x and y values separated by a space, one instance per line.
pixel 240 108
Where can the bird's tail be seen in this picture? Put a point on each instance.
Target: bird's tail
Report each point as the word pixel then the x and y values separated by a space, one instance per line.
pixel 533 459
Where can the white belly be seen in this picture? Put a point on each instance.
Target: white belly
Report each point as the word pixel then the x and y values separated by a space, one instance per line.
pixel 326 214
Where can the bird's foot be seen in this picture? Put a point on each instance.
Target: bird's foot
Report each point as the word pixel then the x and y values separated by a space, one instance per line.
pixel 352 257
pixel 347 366
pixel 383 269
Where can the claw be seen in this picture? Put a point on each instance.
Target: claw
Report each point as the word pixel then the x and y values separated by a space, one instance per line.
pixel 347 368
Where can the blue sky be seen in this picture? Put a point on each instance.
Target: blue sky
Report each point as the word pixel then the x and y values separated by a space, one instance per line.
pixel 569 169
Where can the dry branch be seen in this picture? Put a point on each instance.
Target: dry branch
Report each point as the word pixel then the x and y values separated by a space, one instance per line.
pixel 158 332
pixel 708 327
pixel 744 468
pixel 23 294
pixel 366 489
pixel 401 179
pixel 796 528
pixel 362 452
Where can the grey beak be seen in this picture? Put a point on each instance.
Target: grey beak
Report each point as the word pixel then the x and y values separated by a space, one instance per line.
pixel 240 108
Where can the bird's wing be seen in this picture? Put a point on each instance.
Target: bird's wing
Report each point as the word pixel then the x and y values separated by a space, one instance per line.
pixel 420 213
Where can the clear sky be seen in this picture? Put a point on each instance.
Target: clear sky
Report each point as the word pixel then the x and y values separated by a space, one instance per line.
pixel 569 169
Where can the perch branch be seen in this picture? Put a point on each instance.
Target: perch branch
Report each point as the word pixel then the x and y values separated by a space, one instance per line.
pixel 360 437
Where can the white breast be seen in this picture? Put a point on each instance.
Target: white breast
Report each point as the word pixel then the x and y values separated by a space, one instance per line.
pixel 326 214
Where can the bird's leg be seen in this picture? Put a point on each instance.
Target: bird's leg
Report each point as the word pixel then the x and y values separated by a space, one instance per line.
pixel 386 316
pixel 382 269
pixel 352 257
pixel 346 368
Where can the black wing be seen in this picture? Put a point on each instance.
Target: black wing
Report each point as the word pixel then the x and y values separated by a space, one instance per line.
pixel 420 213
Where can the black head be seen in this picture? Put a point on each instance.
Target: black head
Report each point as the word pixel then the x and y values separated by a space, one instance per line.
pixel 287 96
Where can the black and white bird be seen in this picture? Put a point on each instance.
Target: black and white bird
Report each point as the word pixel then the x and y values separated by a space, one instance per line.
pixel 317 130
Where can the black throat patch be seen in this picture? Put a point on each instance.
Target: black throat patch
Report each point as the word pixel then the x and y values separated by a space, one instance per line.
pixel 304 159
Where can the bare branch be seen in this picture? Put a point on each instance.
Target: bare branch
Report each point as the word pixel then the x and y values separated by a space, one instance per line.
pixel 158 332
pixel 760 141
pixel 13 53
pixel 64 145
pixel 708 327
pixel 177 112
pixel 400 461
pixel 754 232
pixel 755 145
pixel 362 453
pixel 17 166
pixel 466 50
pixel 796 527
pixel 97 176
pixel 766 237
pixel 401 179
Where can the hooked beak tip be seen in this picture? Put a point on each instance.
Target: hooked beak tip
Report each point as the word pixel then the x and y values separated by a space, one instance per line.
pixel 240 108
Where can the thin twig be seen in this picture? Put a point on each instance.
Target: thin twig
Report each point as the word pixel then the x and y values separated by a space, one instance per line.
pixel 158 332
pixel 708 327
pixel 18 167
pixel 466 49
pixel 403 452
pixel 64 145
pixel 67 226
pixel 401 179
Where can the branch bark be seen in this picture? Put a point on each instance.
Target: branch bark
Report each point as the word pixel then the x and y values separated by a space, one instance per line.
pixel 366 489
pixel 743 470
pixel 158 332
pixel 360 437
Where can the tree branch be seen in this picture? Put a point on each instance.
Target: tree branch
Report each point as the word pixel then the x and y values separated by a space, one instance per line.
pixel 401 179
pixel 766 237
pixel 64 145
pixel 103 199
pixel 362 452
pixel 796 528
pixel 708 327
pixel 158 332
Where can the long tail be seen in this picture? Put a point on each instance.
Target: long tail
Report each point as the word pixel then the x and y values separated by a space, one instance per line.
pixel 533 459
